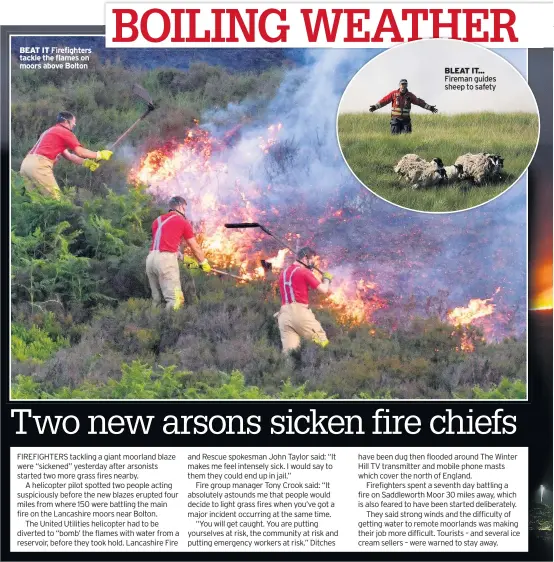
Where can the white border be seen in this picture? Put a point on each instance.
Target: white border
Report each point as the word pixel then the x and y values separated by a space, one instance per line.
pixel 466 402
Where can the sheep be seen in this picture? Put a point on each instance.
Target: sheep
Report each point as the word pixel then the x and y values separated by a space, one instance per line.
pixel 420 173
pixel 481 167
pixel 454 172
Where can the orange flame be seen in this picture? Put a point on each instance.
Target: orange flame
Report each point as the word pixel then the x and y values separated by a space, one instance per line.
pixel 543 301
pixel 477 308
pixel 464 316
pixel 355 303
pixel 466 344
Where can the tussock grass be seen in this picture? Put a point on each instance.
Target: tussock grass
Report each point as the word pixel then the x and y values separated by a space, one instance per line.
pixel 372 152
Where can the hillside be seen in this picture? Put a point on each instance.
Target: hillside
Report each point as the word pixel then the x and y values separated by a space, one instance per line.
pixel 82 321
pixel 83 325
pixel 105 107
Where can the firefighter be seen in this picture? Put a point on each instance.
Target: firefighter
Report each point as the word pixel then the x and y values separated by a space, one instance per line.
pixel 295 318
pixel 37 167
pixel 402 101
pixel 162 264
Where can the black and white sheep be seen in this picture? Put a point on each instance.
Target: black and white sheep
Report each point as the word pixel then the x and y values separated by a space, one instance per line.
pixel 481 167
pixel 454 172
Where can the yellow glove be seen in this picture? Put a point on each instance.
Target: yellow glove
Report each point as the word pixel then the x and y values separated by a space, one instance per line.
pixel 327 277
pixel 104 155
pixel 189 262
pixel 206 267
pixel 91 165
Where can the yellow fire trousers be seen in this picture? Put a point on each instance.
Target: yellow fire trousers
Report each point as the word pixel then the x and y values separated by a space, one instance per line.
pixel 162 269
pixel 297 321
pixel 38 172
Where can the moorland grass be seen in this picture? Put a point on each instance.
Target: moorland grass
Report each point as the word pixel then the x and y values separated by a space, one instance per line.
pixel 372 152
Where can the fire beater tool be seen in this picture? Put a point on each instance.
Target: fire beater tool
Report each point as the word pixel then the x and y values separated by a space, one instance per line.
pixel 221 272
pixel 140 92
pixel 264 229
pixel 229 274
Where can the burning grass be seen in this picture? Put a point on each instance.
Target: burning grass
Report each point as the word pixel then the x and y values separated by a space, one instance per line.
pixel 197 169
pixel 372 152
pixel 73 282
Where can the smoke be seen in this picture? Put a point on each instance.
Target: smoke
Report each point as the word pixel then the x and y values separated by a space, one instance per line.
pixel 293 179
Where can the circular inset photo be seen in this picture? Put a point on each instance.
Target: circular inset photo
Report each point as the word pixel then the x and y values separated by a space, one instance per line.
pixel 439 125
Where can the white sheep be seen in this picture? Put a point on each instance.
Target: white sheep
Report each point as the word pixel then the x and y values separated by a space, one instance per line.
pixel 481 167
pixel 420 173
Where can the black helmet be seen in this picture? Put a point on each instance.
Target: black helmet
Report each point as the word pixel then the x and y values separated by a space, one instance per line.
pixel 306 252
pixel 64 116
pixel 176 201
pixel 403 81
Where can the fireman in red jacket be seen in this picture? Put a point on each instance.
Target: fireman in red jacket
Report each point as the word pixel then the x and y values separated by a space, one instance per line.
pixel 402 101
pixel 162 266
pixel 295 318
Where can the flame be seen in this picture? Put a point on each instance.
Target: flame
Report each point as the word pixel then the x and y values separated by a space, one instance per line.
pixel 543 301
pixel 466 344
pixel 265 144
pixel 173 159
pixel 192 167
pixel 462 317
pixel 355 303
pixel 477 308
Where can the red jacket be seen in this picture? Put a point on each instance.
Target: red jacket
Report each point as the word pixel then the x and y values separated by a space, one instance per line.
pixel 401 103
pixel 54 141
pixel 168 230
pixel 295 282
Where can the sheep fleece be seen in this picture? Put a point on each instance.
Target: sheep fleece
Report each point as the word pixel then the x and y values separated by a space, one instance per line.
pixel 477 167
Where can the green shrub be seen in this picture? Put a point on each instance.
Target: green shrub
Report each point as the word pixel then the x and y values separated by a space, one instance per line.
pixel 34 344
pixel 506 390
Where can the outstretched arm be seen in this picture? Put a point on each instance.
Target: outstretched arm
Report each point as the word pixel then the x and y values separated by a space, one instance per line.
pixel 382 102
pixel 72 157
pixel 424 104
pixel 86 153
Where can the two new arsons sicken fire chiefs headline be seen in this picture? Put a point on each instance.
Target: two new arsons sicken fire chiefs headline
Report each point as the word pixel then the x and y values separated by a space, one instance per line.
pixel 304 26
pixel 382 422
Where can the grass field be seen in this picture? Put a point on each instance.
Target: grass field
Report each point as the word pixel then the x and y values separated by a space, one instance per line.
pixel 372 152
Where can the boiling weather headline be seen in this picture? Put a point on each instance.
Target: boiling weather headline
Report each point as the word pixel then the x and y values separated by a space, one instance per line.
pixel 348 24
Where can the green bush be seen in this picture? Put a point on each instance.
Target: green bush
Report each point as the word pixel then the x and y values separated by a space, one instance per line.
pixel 139 381
pixel 506 390
pixel 78 274
pixel 34 344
